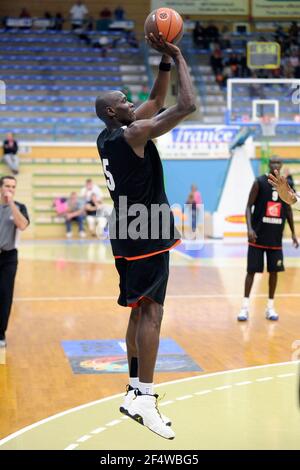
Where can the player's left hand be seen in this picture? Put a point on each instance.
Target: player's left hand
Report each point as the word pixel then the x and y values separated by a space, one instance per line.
pixel 282 187
pixel 162 46
pixel 295 241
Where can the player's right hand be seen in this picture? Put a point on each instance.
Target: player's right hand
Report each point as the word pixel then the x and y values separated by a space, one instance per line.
pixel 252 236
pixel 162 46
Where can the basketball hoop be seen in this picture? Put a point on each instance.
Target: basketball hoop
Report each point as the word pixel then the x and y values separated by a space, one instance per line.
pixel 268 126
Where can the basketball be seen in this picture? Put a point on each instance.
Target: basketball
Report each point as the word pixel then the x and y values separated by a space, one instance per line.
pixel 166 21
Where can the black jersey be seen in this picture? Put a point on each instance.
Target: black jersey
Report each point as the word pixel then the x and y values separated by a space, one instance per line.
pixel 269 215
pixel 136 187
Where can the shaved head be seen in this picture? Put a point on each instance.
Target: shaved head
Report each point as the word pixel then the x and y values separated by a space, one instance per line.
pixel 275 163
pixel 106 100
pixel 275 159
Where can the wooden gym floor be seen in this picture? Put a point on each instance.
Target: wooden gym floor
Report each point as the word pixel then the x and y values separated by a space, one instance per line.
pixel 66 290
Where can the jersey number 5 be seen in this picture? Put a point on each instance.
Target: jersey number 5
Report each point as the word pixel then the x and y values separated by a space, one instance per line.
pixel 109 177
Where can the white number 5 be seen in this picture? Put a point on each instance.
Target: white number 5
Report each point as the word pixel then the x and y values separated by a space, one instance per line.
pixel 109 177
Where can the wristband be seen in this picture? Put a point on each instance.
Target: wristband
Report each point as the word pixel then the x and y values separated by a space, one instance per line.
pixel 165 66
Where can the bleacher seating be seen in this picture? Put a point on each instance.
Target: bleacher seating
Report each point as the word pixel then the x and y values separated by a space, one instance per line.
pixel 44 179
pixel 52 77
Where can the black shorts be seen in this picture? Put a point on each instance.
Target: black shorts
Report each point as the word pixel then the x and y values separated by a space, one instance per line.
pixel 144 277
pixel 256 260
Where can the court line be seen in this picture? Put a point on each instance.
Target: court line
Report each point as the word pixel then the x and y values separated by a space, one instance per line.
pixel 102 400
pixel 193 395
pixel 179 296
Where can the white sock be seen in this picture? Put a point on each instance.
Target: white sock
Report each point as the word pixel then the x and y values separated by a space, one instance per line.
pixel 246 301
pixel 134 382
pixel 146 389
pixel 270 303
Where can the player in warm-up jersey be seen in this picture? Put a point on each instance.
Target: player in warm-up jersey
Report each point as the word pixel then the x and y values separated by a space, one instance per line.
pixel 265 230
pixel 142 226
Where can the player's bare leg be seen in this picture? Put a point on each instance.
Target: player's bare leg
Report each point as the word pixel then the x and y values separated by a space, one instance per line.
pixel 144 407
pixel 132 357
pixel 132 354
pixel 147 339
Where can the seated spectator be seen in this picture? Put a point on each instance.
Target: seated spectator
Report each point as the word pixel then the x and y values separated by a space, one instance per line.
pixel 199 35
pixel 58 22
pixel 216 61
pixel 89 189
pixel 96 216
pixel 212 32
pixel 25 13
pixel 119 13
pixel 10 151
pixel 74 213
pixel 60 205
pixel 106 13
pixel 49 17
pixel 78 14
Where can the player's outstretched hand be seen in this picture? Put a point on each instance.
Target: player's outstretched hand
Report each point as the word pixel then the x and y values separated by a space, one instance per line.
pixel 282 187
pixel 162 46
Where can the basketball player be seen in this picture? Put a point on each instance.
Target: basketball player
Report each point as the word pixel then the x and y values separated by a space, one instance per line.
pixel 265 229
pixel 133 170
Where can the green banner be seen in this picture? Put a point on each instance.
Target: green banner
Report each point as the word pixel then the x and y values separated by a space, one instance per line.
pixel 276 9
pixel 196 7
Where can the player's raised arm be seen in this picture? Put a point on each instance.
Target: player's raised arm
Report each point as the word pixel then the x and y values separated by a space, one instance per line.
pixel 139 132
pixel 159 90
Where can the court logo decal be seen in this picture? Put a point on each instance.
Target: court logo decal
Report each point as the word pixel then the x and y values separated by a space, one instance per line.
pixel 109 356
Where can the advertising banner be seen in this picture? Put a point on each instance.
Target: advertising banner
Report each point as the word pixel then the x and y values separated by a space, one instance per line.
pixel 196 7
pixel 276 9
pixel 197 141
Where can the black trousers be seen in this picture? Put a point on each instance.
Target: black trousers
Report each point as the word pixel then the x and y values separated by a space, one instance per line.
pixel 8 269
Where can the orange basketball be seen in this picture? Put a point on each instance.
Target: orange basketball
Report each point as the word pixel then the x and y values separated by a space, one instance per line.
pixel 166 21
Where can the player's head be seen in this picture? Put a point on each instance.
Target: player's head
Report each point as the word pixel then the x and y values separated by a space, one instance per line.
pixel 275 163
pixel 113 107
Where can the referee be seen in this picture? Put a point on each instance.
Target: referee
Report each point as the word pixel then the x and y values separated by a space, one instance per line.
pixel 13 217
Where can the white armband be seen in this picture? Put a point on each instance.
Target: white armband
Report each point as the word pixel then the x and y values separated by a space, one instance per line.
pixel 296 205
